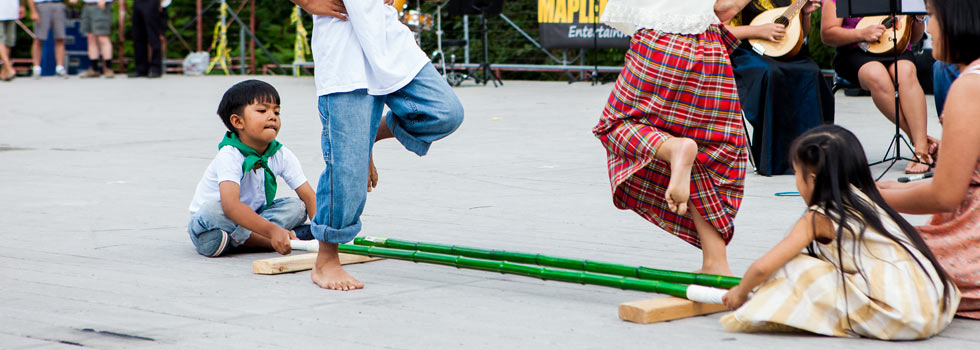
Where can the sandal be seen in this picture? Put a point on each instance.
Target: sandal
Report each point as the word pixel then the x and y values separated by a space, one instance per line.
pixel 917 167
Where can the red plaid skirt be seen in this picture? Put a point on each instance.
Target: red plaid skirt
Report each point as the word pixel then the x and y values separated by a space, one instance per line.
pixel 676 86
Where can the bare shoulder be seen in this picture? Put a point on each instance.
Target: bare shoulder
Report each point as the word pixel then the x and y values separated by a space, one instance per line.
pixel 970 82
pixel 962 100
pixel 823 228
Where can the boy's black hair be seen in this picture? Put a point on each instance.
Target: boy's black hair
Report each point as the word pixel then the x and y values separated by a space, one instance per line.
pixel 835 156
pixel 959 24
pixel 243 94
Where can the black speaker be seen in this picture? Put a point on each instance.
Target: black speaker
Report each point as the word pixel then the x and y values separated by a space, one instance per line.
pixel 475 7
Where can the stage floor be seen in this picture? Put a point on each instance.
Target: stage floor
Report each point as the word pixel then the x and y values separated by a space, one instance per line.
pixel 97 176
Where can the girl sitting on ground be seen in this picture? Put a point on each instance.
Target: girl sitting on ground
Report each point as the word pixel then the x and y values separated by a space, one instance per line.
pixel 867 273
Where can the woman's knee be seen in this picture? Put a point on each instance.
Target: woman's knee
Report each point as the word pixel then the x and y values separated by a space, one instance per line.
pixel 907 73
pixel 874 77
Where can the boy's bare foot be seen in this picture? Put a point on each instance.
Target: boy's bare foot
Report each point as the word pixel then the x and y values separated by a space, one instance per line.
pixel 372 175
pixel 328 273
pixel 682 155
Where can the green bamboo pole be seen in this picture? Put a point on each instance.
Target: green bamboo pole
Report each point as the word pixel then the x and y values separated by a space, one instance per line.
pixel 695 293
pixel 639 272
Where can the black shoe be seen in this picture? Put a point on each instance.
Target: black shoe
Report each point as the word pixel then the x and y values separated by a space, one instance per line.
pixel 154 75
pixel 136 75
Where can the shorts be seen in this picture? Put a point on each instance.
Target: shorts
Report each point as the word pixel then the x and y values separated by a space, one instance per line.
pixel 96 21
pixel 53 16
pixel 8 33
pixel 849 60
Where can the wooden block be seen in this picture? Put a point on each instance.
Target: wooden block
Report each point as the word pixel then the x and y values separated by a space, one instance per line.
pixel 665 309
pixel 300 262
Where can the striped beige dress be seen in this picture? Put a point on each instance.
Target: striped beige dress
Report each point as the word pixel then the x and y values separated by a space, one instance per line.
pixel 893 299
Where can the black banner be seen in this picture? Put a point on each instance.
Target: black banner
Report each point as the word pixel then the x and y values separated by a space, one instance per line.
pixel 568 24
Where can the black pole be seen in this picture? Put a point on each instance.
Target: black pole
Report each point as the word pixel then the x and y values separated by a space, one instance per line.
pixel 897 140
pixel 595 41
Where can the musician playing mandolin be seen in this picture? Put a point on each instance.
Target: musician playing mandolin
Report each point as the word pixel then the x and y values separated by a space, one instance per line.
pixel 783 96
pixel 856 65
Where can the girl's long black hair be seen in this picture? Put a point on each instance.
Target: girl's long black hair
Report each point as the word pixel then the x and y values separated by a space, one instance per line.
pixel 959 23
pixel 835 155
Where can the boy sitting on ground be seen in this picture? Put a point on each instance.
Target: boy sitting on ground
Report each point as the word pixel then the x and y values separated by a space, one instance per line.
pixel 234 204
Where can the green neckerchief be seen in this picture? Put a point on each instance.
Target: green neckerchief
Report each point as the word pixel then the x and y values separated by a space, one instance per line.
pixel 252 157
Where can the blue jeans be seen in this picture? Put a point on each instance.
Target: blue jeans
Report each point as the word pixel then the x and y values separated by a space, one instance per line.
pixel 289 213
pixel 943 75
pixel 423 111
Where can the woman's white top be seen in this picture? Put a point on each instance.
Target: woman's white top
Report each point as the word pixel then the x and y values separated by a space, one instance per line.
pixel 668 16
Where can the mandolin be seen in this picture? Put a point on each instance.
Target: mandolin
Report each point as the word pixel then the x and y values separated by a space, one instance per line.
pixel 789 17
pixel 885 45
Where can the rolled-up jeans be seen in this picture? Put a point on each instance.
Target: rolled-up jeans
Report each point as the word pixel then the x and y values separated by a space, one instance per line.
pixel 289 213
pixel 423 111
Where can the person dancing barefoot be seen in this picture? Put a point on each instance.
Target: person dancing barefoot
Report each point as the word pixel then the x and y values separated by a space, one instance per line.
pixel 671 127
pixel 365 59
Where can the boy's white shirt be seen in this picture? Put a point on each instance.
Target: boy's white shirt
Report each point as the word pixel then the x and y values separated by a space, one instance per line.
pixel 371 50
pixel 9 9
pixel 227 166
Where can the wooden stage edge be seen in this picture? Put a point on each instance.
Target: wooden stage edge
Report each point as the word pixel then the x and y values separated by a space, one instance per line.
pixel 300 262
pixel 665 309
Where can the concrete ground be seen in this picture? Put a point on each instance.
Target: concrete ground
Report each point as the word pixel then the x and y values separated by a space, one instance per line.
pixel 97 175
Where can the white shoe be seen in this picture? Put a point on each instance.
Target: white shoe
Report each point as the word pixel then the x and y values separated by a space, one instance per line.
pixel 36 72
pixel 61 72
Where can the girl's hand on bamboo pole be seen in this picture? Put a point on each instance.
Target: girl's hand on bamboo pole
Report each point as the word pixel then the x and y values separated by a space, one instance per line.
pixel 735 297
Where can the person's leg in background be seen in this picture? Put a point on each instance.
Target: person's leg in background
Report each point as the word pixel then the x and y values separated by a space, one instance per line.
pixel 139 38
pixel 8 37
pixel 88 19
pixel 42 25
pixel 59 18
pixel 153 19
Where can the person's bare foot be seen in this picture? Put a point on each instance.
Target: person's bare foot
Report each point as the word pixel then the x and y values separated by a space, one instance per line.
pixel 716 270
pixel 329 274
pixel 684 151
pixel 372 175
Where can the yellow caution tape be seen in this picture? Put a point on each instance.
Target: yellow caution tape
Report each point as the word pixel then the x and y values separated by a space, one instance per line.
pixel 219 43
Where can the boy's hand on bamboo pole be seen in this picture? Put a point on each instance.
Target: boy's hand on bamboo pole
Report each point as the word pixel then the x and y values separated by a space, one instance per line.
pixel 280 240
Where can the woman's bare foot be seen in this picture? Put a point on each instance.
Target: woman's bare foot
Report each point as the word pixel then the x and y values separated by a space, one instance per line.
pixel 933 147
pixel 717 269
pixel 372 175
pixel 328 273
pixel 683 151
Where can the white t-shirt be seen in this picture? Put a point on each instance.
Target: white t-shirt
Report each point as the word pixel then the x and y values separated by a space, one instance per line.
pixel 9 9
pixel 371 50
pixel 227 166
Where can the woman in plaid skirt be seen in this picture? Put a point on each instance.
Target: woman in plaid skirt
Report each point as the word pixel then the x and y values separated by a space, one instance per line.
pixel 672 126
